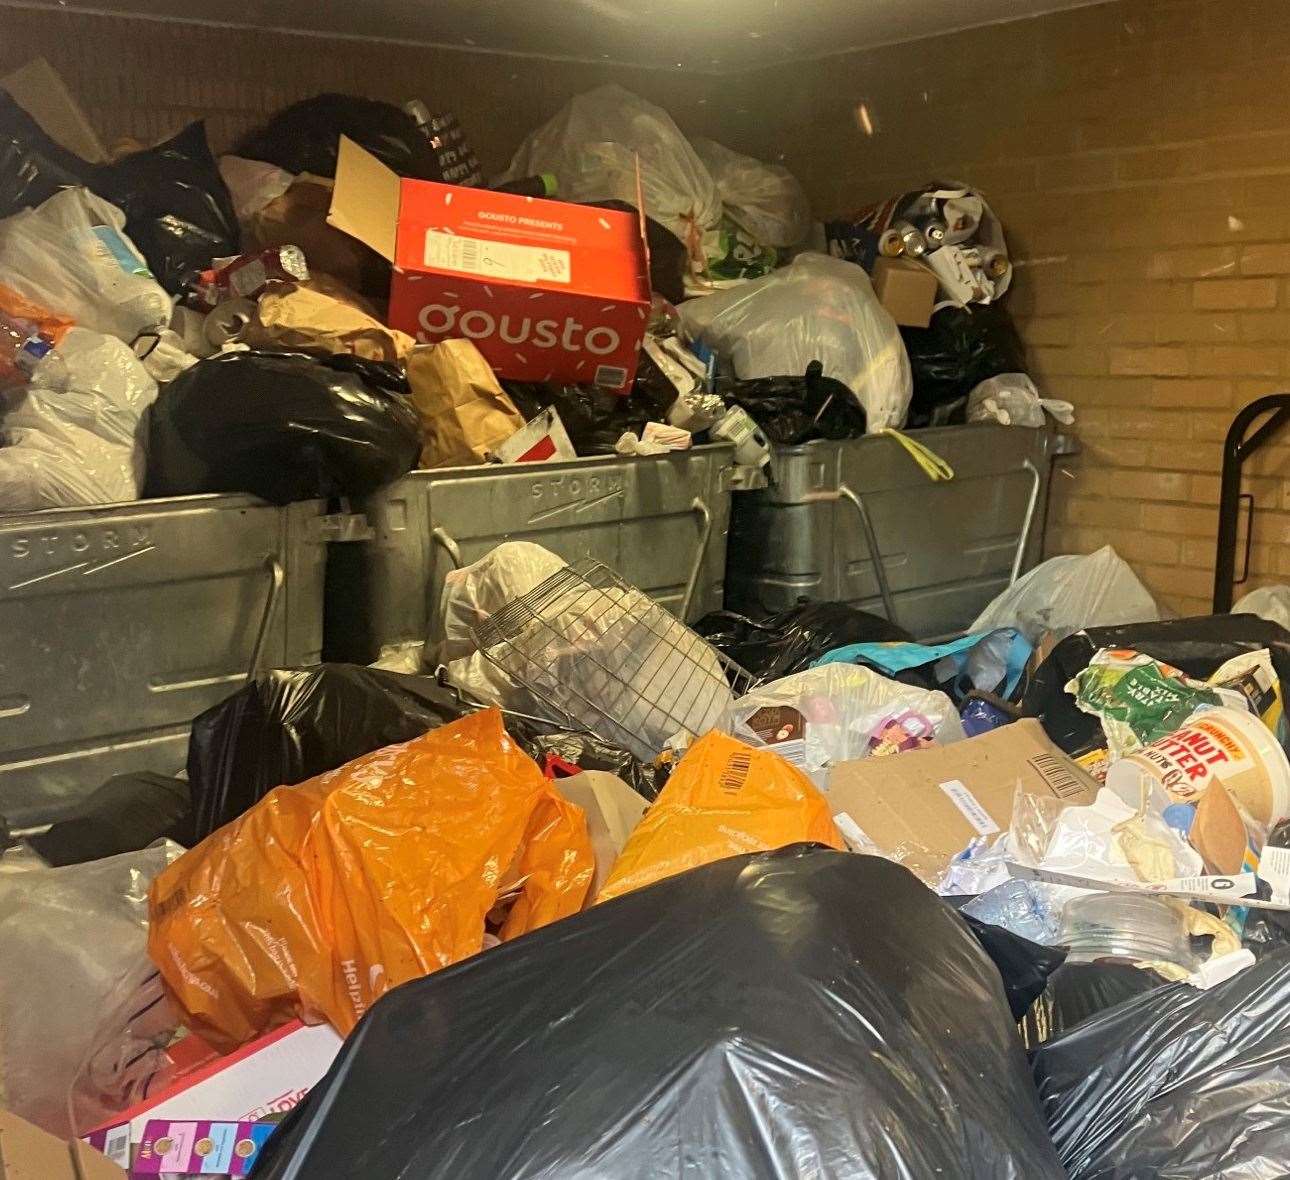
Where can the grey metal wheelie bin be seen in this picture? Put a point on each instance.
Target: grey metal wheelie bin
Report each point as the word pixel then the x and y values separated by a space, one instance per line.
pixel 121 623
pixel 660 521
pixel 859 521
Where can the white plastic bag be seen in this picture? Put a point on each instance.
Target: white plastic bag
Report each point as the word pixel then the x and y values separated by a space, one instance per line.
pixel 816 308
pixel 1067 594
pixel 1011 399
pixel 474 592
pixel 71 255
pixel 1268 602
pixel 592 147
pixel 252 184
pixel 839 712
pixel 72 941
pixel 765 199
pixel 74 435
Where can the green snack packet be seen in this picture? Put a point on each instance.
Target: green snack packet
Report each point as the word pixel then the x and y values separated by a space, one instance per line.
pixel 1140 700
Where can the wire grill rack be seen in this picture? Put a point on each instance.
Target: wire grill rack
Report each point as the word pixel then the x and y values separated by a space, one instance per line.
pixel 607 659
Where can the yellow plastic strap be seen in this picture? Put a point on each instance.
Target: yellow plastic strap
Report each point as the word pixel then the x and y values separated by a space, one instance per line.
pixel 934 467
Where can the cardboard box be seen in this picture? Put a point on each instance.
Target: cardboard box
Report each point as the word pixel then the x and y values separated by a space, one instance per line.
pixel 925 806
pixel 906 289
pixel 269 1076
pixel 28 1153
pixel 547 290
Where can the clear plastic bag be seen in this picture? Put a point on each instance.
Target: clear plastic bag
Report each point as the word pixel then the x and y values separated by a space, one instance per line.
pixel 74 942
pixel 765 199
pixel 839 712
pixel 592 147
pixel 1011 399
pixel 73 436
pixel 1066 594
pixel 815 309
pixel 71 255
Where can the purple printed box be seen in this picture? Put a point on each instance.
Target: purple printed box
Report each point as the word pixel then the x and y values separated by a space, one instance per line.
pixel 201 1148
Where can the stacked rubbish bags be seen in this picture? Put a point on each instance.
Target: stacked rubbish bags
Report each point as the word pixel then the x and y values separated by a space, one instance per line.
pixel 170 320
pixel 574 888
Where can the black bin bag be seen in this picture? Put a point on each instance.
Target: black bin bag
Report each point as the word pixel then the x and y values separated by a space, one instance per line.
pixel 1196 646
pixel 793 410
pixel 283 426
pixel 777 1015
pixel 32 166
pixel 288 725
pixel 1177 1084
pixel 178 209
pixel 305 137
pixel 793 640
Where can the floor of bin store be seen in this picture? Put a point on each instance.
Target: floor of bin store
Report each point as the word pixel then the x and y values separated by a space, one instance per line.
pixel 618 589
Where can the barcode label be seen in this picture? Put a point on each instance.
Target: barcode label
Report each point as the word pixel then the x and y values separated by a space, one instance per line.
pixel 117 1145
pixel 497 260
pixel 970 806
pixel 736 771
pixel 1057 774
pixel 611 376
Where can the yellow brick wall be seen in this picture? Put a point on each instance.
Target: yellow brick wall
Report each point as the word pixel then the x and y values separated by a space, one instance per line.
pixel 1138 153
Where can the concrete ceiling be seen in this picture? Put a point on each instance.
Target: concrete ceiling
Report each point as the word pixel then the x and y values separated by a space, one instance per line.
pixel 708 35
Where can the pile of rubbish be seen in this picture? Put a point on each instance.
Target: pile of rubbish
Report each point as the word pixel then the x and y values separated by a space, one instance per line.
pixel 342 298
pixel 760 887
pixel 574 888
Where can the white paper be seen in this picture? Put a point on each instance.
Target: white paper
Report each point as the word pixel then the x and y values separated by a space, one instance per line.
pixel 1274 868
pixel 496 260
pixel 970 806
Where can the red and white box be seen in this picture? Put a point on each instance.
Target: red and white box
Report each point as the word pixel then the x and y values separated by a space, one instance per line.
pixel 547 290
pixel 266 1077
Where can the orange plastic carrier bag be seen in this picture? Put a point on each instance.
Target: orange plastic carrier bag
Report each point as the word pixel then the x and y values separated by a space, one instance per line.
pixel 325 895
pixel 723 799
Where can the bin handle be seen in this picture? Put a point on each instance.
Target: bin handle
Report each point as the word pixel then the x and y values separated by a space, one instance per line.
pixel 441 537
pixel 871 541
pixel 705 531
pixel 277 576
pixel 1024 540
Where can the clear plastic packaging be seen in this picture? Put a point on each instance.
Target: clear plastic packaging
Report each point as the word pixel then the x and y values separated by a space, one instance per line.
pixel 815 309
pixel 839 712
pixel 71 255
pixel 1121 926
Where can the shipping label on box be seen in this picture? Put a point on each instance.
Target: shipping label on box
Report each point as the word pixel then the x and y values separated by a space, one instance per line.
pixel 547 290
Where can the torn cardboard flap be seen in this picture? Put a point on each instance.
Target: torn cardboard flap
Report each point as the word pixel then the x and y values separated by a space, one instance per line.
pixel 365 199
pixel 924 807
pixel 42 93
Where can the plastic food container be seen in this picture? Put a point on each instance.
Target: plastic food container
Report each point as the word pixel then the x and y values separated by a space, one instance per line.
pixel 1124 926
pixel 1219 744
